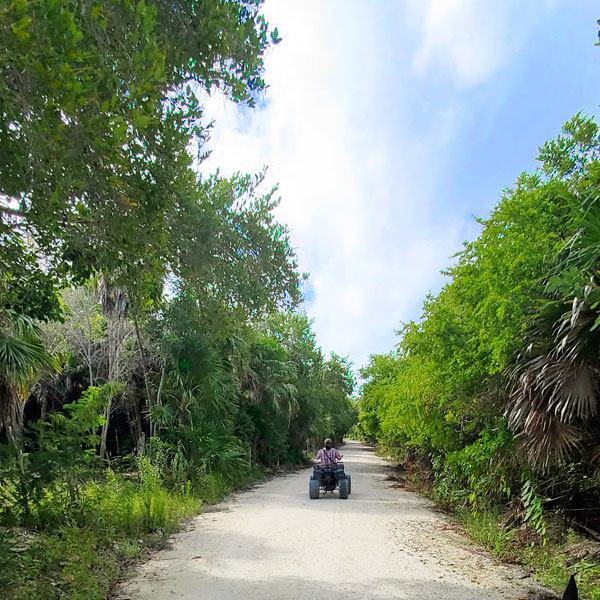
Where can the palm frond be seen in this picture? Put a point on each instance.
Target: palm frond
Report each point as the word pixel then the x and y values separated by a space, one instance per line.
pixel 161 415
pixel 113 298
pixel 22 356
pixel 554 393
pixel 595 460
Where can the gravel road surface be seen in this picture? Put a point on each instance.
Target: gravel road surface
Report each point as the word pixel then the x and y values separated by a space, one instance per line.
pixel 274 543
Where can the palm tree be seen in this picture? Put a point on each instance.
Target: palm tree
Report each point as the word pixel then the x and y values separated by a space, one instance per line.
pixel 553 402
pixel 271 378
pixel 114 302
pixel 22 355
pixel 554 396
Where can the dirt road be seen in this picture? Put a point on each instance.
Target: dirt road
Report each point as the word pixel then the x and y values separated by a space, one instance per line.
pixel 274 543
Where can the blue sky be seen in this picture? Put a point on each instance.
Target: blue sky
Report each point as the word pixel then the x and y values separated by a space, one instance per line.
pixel 389 125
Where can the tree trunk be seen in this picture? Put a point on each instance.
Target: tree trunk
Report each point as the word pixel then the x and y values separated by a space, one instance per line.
pixel 44 406
pixel 12 406
pixel 140 436
pixel 104 434
pixel 88 351
pixel 114 307
pixel 144 364
pixel 113 333
pixel 159 394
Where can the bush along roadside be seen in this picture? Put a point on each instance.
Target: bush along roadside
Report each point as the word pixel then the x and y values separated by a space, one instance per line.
pixel 564 553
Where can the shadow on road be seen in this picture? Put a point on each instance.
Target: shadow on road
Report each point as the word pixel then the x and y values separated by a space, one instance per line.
pixel 280 588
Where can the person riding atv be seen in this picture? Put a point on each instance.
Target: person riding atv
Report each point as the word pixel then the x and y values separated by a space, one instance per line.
pixel 328 455
pixel 329 475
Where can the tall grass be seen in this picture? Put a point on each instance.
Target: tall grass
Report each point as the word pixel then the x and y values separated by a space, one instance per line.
pixel 484 527
pixel 547 562
pixel 84 537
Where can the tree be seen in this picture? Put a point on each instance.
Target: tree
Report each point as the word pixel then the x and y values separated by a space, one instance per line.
pixel 500 376
pixel 555 382
pixel 554 398
pixel 98 105
pixel 22 354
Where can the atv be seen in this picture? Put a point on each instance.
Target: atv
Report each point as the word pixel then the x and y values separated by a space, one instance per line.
pixel 328 479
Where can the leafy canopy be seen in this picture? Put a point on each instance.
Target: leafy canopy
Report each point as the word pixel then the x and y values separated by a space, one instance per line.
pixel 99 104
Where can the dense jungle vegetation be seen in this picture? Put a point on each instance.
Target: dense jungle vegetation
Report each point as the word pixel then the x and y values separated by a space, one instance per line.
pixel 152 356
pixel 494 391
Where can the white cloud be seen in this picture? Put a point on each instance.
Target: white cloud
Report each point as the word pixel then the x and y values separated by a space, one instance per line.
pixel 356 196
pixel 471 40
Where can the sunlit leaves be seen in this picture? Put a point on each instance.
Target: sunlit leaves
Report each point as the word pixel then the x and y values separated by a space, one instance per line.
pixel 96 122
pixel 523 298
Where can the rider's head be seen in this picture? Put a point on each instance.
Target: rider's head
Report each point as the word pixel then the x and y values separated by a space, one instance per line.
pixel 328 443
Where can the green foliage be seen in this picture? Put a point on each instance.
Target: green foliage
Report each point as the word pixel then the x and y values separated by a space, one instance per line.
pixel 259 394
pixel 22 350
pixel 495 388
pixel 551 563
pixel 80 558
pixel 166 296
pixel 533 508
pixel 570 153
pixel 480 473
pixel 99 107
pixel 486 529
pixel 219 407
pixel 22 356
pixel 58 457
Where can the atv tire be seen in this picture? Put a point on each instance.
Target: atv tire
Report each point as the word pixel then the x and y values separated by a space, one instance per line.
pixel 313 489
pixel 343 486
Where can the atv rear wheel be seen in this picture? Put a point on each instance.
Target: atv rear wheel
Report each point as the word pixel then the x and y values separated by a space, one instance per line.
pixel 313 489
pixel 343 485
pixel 349 483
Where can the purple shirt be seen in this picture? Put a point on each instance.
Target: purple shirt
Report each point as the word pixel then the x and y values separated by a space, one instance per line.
pixel 328 457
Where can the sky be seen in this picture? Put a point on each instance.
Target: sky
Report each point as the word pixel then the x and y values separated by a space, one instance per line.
pixel 389 126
